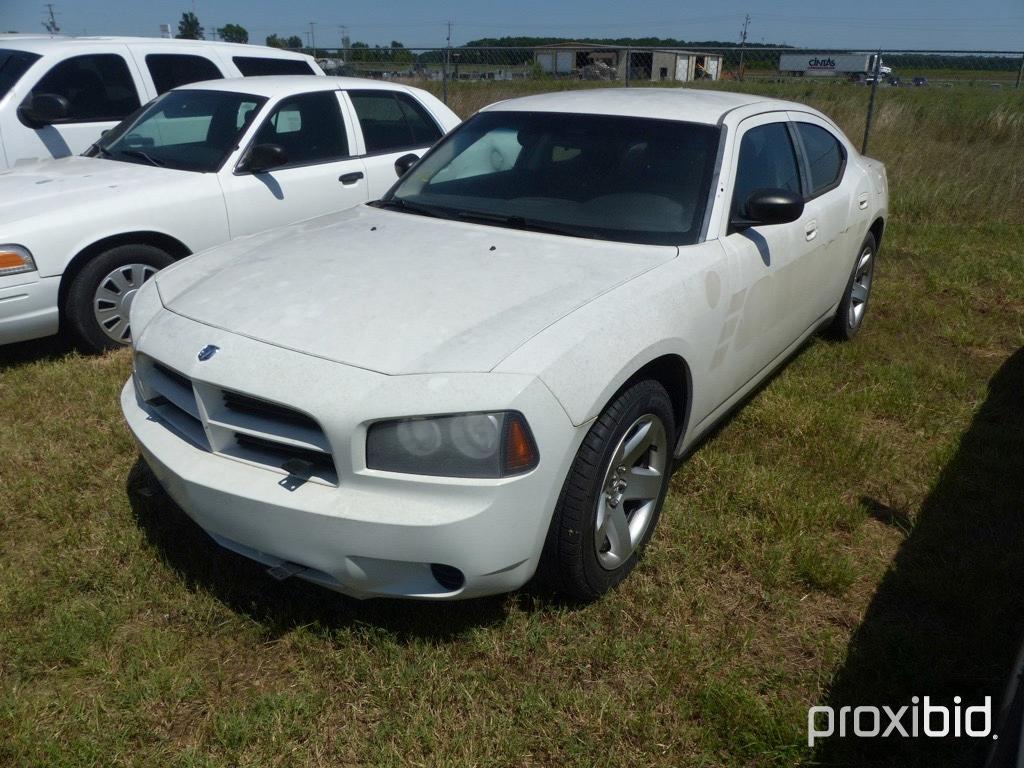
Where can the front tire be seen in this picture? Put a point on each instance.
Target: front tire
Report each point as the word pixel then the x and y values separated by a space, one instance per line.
pixel 612 497
pixel 854 305
pixel 100 295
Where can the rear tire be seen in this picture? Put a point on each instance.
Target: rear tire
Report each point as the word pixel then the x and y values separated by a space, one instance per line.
pixel 854 305
pixel 612 498
pixel 96 306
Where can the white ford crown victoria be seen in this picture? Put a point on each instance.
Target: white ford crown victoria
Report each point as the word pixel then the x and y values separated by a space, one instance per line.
pixel 490 371
pixel 199 166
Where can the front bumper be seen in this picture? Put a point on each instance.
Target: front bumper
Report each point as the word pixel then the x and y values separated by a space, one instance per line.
pixel 374 533
pixel 28 307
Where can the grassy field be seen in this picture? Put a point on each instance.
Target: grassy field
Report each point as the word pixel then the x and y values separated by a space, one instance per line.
pixel 854 535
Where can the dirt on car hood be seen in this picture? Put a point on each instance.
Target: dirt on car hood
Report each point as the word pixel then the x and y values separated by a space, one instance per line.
pixel 396 292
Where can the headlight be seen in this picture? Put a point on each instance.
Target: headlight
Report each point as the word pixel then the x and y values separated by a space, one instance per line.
pixel 14 259
pixel 467 445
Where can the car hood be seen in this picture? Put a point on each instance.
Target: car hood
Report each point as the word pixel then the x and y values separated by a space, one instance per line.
pixel 29 188
pixel 396 292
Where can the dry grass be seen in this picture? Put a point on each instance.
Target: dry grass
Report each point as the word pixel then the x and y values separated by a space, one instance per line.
pixel 853 535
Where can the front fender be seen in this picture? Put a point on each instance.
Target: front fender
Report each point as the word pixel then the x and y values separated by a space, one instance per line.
pixel 675 309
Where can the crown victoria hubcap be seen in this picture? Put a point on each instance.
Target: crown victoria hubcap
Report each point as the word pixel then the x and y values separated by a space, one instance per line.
pixel 113 299
pixel 633 481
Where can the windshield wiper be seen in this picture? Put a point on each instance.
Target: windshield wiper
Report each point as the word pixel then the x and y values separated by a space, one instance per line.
pixel 142 155
pixel 100 150
pixel 519 222
pixel 399 204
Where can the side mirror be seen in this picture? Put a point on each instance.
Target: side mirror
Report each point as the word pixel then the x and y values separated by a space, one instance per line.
pixel 769 206
pixel 43 109
pixel 404 163
pixel 263 158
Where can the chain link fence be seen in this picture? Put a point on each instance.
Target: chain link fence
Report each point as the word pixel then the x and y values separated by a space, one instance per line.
pixel 854 83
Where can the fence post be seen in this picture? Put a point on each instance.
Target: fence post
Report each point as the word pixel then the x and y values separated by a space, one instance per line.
pixel 444 74
pixel 1020 71
pixel 871 103
pixel 628 57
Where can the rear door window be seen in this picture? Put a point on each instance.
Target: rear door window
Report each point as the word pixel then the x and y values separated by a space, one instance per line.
pixel 251 66
pixel 393 121
pixel 825 157
pixel 98 87
pixel 169 70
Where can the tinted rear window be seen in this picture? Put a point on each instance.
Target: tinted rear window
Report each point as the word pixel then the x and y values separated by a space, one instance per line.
pixel 392 121
pixel 825 156
pixel 13 64
pixel 251 66
pixel 169 70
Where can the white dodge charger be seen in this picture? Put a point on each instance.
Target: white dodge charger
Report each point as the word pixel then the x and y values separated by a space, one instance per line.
pixel 489 372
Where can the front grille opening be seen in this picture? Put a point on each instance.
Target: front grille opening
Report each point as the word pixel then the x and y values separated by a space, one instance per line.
pixel 252 406
pixel 177 378
pixel 321 462
pixel 448 576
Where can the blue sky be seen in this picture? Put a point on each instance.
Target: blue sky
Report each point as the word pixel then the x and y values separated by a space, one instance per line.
pixel 985 24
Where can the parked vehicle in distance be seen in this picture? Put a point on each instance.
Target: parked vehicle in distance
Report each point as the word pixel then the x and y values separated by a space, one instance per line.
pixel 199 166
pixel 920 82
pixel 58 94
pixel 492 369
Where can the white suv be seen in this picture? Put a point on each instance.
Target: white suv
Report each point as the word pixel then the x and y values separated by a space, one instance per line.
pixel 57 95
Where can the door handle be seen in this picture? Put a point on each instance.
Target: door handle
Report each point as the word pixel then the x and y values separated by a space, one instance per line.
pixel 811 230
pixel 350 178
pixel 862 201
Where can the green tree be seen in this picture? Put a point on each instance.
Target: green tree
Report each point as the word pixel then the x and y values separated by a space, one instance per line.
pixel 189 27
pixel 234 33
pixel 360 51
pixel 275 42
pixel 294 42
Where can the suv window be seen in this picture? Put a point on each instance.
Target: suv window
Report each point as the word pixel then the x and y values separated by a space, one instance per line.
pixel 825 156
pixel 767 161
pixel 393 121
pixel 98 86
pixel 251 66
pixel 308 127
pixel 169 70
pixel 13 64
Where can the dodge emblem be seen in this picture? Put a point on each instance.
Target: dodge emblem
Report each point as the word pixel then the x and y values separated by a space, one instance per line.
pixel 207 352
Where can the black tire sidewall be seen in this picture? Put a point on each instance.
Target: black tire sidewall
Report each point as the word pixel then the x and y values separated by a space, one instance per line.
pixel 570 551
pixel 841 328
pixel 77 312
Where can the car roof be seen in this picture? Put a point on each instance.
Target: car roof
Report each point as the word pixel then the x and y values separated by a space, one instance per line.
pixel 275 85
pixel 687 104
pixel 46 44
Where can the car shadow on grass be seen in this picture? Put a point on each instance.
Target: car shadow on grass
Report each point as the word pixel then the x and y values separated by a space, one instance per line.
pixel 244 586
pixel 50 349
pixel 948 617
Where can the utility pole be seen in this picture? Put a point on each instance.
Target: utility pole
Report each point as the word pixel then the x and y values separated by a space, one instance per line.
pixel 50 25
pixel 312 37
pixel 743 42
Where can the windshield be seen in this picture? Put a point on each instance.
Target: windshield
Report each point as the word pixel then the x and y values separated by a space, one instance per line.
pixel 188 130
pixel 629 179
pixel 13 64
